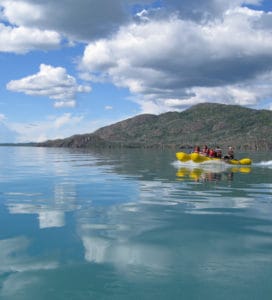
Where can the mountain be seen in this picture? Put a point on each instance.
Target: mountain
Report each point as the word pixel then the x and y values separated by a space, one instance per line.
pixel 207 123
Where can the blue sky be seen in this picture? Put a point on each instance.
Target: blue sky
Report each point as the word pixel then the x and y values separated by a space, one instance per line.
pixel 70 67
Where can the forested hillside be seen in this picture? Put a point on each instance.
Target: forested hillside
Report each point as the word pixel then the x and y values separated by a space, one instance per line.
pixel 208 123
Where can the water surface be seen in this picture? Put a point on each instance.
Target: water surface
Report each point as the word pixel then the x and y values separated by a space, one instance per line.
pixel 132 224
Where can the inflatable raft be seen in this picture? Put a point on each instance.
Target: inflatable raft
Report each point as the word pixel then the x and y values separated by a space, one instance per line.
pixel 198 158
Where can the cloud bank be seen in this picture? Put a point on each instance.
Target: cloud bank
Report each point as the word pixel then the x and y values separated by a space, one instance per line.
pixel 81 20
pixel 168 54
pixel 174 63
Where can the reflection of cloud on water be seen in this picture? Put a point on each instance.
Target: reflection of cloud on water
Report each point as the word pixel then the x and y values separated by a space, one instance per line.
pixel 51 213
pixel 47 218
pixel 96 249
pixel 193 200
pixel 116 235
pixel 221 206
pixel 157 192
pixel 64 194
pixel 15 283
pixel 51 219
pixel 14 257
pixel 17 265
pixel 125 235
pixel 208 249
pixel 123 254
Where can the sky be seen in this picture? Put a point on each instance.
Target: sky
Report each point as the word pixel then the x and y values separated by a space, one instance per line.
pixel 70 67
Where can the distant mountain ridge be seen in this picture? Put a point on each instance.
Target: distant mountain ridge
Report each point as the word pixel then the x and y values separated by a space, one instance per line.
pixel 207 123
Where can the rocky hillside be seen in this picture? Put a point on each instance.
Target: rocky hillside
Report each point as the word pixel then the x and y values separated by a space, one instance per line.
pixel 212 124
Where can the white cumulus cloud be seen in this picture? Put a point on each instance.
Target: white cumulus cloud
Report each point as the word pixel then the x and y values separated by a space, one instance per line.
pixel 83 20
pixel 52 82
pixel 177 62
pixel 23 39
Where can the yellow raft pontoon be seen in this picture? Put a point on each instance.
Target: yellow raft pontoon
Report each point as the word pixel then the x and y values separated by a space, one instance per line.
pixel 198 158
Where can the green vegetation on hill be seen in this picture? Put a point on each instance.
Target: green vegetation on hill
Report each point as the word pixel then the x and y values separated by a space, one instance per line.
pixel 212 124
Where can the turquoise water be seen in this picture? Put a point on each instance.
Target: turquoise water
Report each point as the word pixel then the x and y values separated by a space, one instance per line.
pixel 132 225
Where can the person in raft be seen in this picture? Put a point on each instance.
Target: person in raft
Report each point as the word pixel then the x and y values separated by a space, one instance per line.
pixel 205 150
pixel 230 154
pixel 211 153
pixel 218 152
pixel 196 149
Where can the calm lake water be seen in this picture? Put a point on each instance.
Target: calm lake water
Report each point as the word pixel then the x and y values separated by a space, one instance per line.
pixel 132 225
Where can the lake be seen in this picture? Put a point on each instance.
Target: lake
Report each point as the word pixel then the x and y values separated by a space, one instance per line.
pixel 133 224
